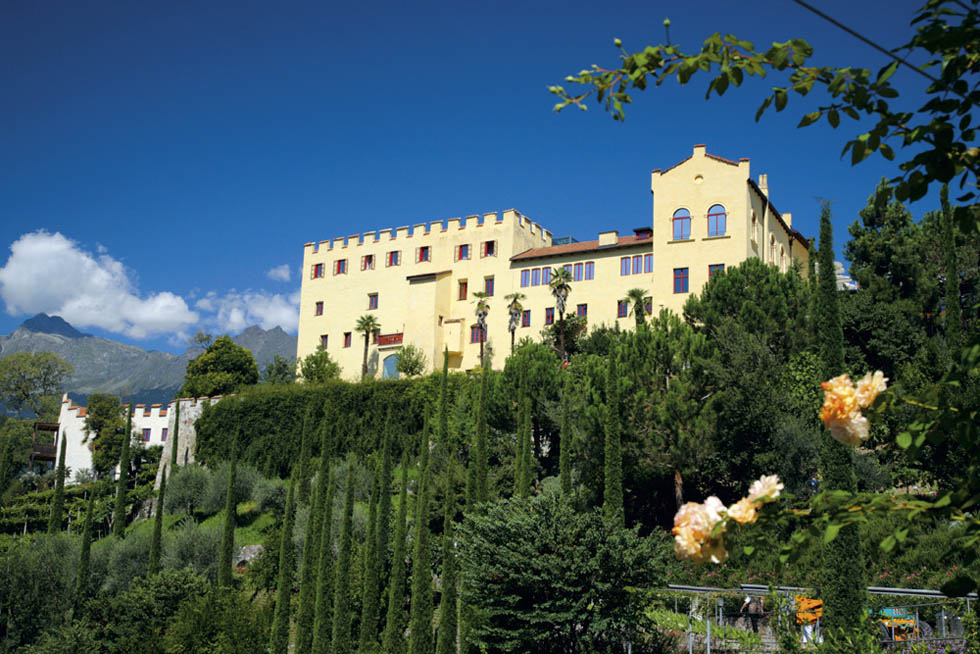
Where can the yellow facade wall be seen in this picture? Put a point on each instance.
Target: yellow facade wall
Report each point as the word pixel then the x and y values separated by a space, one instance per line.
pixel 422 301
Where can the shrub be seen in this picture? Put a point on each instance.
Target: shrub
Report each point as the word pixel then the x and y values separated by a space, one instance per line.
pixel 221 622
pixel 213 496
pixel 187 488
pixel 269 495
pixel 127 559
pixel 195 547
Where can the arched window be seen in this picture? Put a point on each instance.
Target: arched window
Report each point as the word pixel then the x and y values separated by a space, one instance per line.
pixel 782 258
pixel 389 368
pixel 716 220
pixel 772 249
pixel 755 226
pixel 682 225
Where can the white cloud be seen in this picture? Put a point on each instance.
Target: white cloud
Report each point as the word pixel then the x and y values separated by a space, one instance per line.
pixel 280 273
pixel 234 310
pixel 52 274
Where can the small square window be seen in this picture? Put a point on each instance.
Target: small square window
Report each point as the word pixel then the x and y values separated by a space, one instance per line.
pixel 622 309
pixel 648 263
pixel 347 339
pixel 372 300
pixel 425 253
pixel 463 290
pixel 323 341
pixel 163 434
pixel 546 276
pixel 549 316
pixel 489 248
pixel 367 262
pixel 577 275
pixel 319 309
pixel 525 278
pixel 146 435
pixel 317 271
pixel 488 286
pixel 637 264
pixel 624 266
pixel 582 310
pixel 536 277
pixel 340 267
pixel 526 318
pixel 715 269
pixel 394 258
pixel 462 252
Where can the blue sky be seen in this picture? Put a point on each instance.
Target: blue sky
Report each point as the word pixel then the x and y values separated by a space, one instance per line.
pixel 164 163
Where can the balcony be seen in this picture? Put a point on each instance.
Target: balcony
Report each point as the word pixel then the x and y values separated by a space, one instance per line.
pixel 388 340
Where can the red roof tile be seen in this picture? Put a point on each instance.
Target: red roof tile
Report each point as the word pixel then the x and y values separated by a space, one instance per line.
pixel 573 248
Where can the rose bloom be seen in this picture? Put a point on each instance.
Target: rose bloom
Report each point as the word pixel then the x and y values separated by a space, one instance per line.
pixel 869 387
pixel 693 524
pixel 767 486
pixel 841 412
pixel 744 511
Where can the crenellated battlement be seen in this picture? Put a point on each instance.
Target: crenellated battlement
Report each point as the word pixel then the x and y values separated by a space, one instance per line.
pixel 492 220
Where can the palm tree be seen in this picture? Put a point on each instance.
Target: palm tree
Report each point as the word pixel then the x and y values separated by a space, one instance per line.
pixel 560 288
pixel 482 309
pixel 636 298
pixel 367 325
pixel 515 308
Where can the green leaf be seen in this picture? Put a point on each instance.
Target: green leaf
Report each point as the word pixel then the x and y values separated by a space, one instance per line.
pixel 857 152
pixel 887 72
pixel 904 440
pixel 833 118
pixel 748 549
pixel 810 118
pixel 888 544
pixel 959 586
pixel 831 532
pixel 780 97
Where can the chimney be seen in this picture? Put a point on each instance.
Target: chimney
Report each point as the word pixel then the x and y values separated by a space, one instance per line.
pixel 699 150
pixel 788 218
pixel 608 238
pixel 764 184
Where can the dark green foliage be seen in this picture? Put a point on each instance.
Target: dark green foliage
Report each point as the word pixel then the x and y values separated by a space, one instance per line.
pixel 522 461
pixel 842 578
pixel 154 566
pixel 58 502
pixel 305 452
pixel 448 603
pixel 222 621
pixel 279 642
pixel 267 416
pixel 341 642
pixel 420 621
pixel 318 367
pixel 280 371
pixel 954 314
pixel 831 334
pixel 480 461
pixel 612 496
pixel 394 641
pixel 536 597
pixel 105 425
pixel 119 514
pixel 367 641
pixel 6 461
pixel 85 555
pixel 382 534
pixel 175 438
pixel 222 368
pixel 27 377
pixel 565 454
pixel 228 534
pixel 305 620
pixel 323 609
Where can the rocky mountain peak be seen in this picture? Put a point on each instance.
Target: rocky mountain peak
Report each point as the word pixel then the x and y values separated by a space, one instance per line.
pixel 42 323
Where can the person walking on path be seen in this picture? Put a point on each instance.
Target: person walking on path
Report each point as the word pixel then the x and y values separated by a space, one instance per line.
pixel 756 609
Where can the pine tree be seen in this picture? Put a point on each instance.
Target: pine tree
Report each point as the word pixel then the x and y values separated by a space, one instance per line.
pixel 119 514
pixel 155 546
pixel 481 465
pixel 341 641
pixel 279 642
pixel 448 603
pixel 58 501
pixel 420 622
pixel 612 496
pixel 394 642
pixel 228 535
pixel 175 438
pixel 323 623
pixel 367 640
pixel 305 621
pixel 84 556
pixel 843 573
pixel 565 435
pixel 954 313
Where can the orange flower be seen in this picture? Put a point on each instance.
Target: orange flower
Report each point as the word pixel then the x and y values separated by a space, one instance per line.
pixel 842 403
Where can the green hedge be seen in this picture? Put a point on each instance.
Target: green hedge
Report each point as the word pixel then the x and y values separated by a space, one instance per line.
pixel 271 419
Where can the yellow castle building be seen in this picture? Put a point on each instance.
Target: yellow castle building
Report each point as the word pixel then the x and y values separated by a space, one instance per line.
pixel 708 214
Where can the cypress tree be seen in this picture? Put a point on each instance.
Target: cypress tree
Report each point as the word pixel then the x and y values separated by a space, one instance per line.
pixel 155 545
pixel 842 573
pixel 812 285
pixel 58 501
pixel 228 535
pixel 279 640
pixel 323 623
pixel 393 641
pixel 305 621
pixel 565 442
pixel 119 514
pixel 5 447
pixel 84 556
pixel 341 641
pixel 448 603
pixel 175 438
pixel 367 640
pixel 954 314
pixel 383 532
pixel 523 486
pixel 420 621
pixel 481 493
pixel 305 469
pixel 612 496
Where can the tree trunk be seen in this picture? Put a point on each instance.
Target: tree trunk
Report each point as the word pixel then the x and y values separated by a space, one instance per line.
pixel 678 488
pixel 513 332
pixel 483 337
pixel 561 335
pixel 364 364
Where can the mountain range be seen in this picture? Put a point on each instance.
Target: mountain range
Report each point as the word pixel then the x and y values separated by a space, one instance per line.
pixel 132 373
